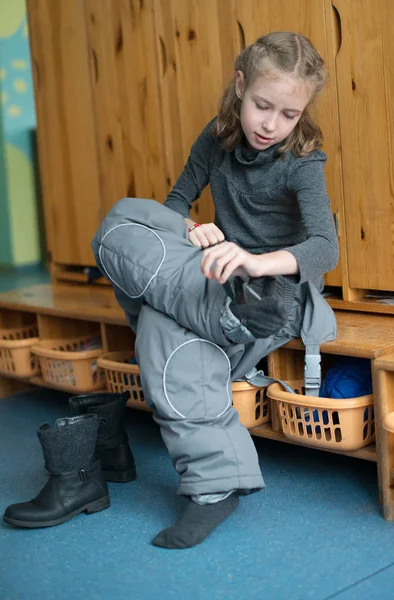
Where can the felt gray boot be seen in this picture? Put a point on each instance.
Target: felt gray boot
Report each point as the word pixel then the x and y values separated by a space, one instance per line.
pixel 113 448
pixel 76 483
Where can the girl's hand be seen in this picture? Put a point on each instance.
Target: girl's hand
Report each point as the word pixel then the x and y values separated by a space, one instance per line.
pixel 205 235
pixel 228 259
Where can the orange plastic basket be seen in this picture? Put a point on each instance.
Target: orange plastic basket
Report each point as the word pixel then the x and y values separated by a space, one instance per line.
pixel 67 366
pixel 122 376
pixel 15 351
pixel 252 404
pixel 250 401
pixel 345 424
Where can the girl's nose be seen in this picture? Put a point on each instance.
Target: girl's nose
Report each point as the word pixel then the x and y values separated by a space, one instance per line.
pixel 269 123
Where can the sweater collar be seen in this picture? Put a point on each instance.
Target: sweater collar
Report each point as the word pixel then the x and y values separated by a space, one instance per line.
pixel 247 156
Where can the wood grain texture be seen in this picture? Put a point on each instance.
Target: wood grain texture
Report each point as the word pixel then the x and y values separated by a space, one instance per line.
pixel 383 385
pixel 66 128
pixel 197 43
pixel 54 327
pixel 102 35
pixel 124 69
pixel 364 335
pixel 77 302
pixel 365 75
pixel 123 89
pixel 361 305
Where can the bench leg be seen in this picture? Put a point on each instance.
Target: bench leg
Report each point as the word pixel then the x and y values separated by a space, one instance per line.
pixel 383 385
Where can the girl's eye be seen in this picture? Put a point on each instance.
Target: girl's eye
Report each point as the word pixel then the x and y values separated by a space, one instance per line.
pixel 261 107
pixel 290 117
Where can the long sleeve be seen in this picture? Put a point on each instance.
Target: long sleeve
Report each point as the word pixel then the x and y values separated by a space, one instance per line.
pixel 195 175
pixel 318 254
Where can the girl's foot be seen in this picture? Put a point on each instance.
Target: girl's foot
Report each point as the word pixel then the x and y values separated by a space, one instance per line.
pixel 196 523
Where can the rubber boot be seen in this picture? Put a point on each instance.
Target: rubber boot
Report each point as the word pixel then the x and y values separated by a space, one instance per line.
pixel 113 448
pixel 76 483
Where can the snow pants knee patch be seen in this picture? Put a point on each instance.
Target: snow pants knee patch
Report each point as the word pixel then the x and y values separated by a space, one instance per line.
pixel 137 245
pixel 186 380
pixel 203 392
pixel 143 249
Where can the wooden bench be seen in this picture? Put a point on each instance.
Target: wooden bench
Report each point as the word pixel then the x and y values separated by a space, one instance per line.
pixel 66 310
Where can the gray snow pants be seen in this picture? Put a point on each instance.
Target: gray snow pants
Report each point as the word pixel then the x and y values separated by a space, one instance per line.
pixel 186 358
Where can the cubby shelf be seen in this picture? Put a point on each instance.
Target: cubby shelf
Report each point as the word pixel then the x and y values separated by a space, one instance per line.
pixel 70 310
pixel 263 431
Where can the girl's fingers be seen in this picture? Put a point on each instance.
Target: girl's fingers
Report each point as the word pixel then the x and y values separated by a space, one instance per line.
pixel 218 256
pixel 208 235
pixel 194 239
pixel 211 238
pixel 226 259
pixel 230 269
pixel 213 235
pixel 211 255
pixel 208 259
pixel 221 264
pixel 219 234
pixel 200 237
pixel 205 243
pixel 205 236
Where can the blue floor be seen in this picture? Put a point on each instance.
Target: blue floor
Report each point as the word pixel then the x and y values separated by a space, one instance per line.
pixel 316 532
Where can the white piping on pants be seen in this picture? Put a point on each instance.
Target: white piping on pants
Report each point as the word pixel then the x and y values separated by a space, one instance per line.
pixel 228 380
pixel 157 270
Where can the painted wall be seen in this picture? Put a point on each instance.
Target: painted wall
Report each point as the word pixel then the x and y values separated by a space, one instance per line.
pixel 19 223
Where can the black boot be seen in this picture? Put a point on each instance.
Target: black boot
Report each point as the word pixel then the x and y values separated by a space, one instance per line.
pixel 113 448
pixel 76 483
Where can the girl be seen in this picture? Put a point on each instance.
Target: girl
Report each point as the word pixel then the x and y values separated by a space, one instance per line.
pixel 207 301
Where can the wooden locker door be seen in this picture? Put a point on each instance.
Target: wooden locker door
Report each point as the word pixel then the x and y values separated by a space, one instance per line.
pixel 66 129
pixel 197 43
pixel 315 20
pixel 124 70
pixel 365 69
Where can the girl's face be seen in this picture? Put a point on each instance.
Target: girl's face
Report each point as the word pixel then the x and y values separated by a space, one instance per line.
pixel 271 108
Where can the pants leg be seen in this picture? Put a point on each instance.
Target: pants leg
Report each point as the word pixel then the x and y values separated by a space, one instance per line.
pixel 186 360
pixel 142 248
pixel 187 381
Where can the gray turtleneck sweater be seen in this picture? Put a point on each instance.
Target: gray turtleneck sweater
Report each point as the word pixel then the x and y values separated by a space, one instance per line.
pixel 264 201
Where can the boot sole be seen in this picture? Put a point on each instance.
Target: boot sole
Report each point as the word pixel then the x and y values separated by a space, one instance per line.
pixel 120 476
pixel 92 507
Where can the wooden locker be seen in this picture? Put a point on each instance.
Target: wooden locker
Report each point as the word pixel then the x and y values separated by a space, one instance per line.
pixel 197 43
pixel 66 128
pixel 365 73
pixel 126 102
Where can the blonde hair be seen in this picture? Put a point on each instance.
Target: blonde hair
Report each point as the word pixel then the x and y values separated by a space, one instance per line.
pixel 272 54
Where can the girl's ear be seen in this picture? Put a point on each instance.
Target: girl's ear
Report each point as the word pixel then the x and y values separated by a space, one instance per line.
pixel 240 84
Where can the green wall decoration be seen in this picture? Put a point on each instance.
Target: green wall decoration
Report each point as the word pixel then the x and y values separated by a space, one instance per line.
pixel 19 221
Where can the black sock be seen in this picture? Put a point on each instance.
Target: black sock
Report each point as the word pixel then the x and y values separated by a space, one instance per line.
pixel 196 523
